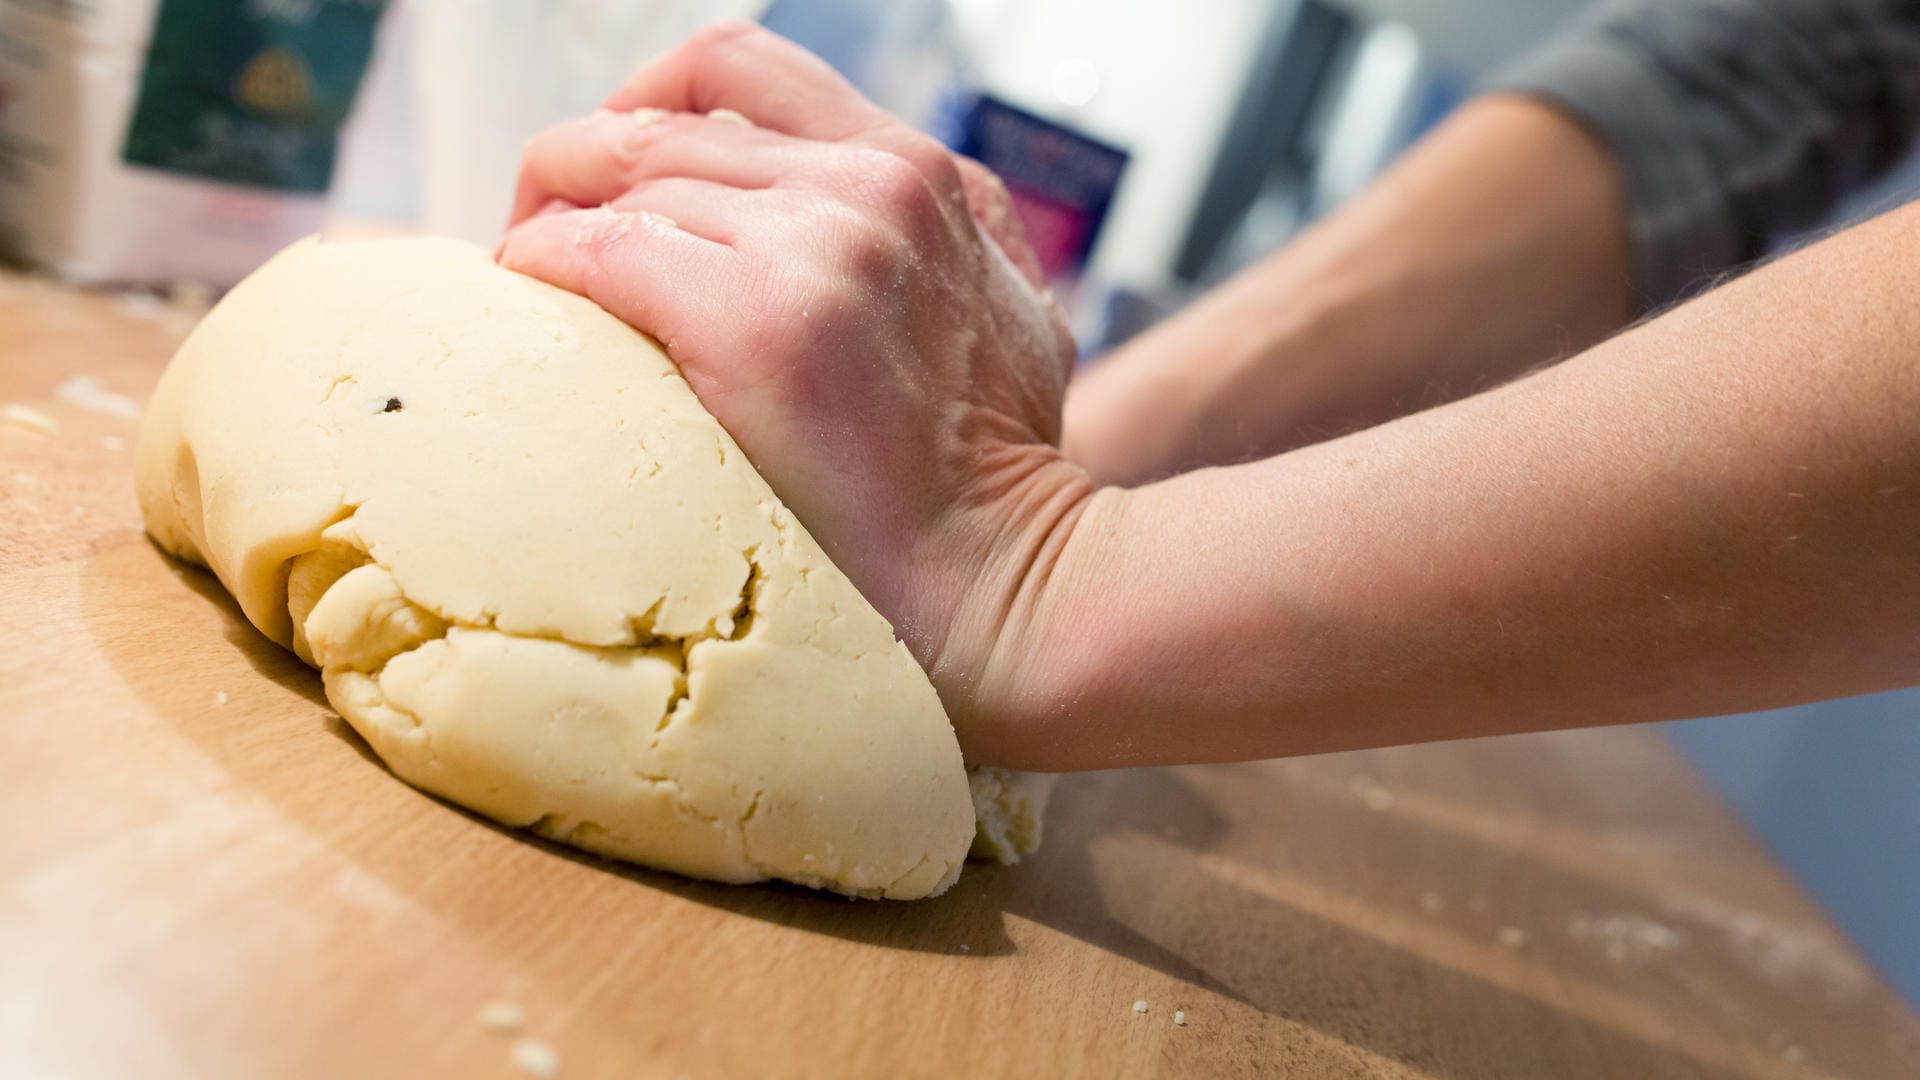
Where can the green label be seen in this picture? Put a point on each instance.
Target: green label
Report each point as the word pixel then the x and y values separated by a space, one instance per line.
pixel 251 91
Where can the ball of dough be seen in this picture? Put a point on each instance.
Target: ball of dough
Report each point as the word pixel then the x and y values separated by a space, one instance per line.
pixel 542 582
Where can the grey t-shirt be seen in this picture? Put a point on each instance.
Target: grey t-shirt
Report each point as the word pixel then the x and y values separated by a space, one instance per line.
pixel 1733 121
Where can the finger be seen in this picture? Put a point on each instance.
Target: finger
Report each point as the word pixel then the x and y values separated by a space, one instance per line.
pixel 936 163
pixel 654 276
pixel 755 72
pixel 577 161
pixel 739 67
pixel 551 206
pixel 594 159
pixel 992 210
pixel 708 210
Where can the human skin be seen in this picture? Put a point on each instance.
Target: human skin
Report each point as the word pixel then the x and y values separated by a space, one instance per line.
pixel 1493 246
pixel 1710 513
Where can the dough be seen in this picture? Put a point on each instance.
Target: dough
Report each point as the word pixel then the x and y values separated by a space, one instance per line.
pixel 1007 807
pixel 542 582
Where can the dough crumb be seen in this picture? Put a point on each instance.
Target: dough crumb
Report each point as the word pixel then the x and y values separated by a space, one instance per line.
pixel 602 224
pixel 966 948
pixel 1179 1018
pixel 142 305
pixel 1008 810
pixel 1373 795
pixel 1431 901
pixel 113 442
pixel 502 1016
pixel 219 697
pixel 1624 934
pixel 729 116
pixel 29 418
pixel 536 1059
pixel 190 297
pixel 1512 937
pixel 1140 1006
pixel 86 392
pixel 647 115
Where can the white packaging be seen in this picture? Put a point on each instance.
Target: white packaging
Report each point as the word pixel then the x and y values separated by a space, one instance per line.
pixel 76 199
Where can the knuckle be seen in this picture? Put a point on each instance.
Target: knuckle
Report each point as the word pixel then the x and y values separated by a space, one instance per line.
pixel 857 246
pixel 978 177
pixel 899 186
pixel 972 171
pixel 874 252
pixel 934 161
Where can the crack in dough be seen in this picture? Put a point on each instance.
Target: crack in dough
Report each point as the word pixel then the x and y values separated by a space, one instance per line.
pixel 351 618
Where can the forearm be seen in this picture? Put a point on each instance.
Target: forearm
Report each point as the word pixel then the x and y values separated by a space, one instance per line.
pixel 1498 243
pixel 1719 511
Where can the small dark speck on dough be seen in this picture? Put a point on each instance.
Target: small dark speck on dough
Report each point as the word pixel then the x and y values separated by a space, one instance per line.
pixel 393 405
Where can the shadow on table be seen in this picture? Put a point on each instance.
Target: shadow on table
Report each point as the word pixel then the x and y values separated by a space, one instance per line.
pixel 1121 872
pixel 267 658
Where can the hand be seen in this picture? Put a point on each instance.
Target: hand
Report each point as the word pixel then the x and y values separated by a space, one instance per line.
pixel 854 305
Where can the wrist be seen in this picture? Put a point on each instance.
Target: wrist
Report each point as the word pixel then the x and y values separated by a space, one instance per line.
pixel 1036 651
pixel 1017 546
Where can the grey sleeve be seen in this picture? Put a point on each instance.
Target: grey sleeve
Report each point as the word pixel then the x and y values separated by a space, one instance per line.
pixel 1733 121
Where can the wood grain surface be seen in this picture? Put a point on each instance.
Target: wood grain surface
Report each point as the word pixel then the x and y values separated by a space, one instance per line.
pixel 204 874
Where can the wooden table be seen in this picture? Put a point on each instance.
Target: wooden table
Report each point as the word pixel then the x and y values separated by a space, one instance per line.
pixel 204 874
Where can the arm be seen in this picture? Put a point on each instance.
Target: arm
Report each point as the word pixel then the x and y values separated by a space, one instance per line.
pixel 1682 139
pixel 1717 512
pixel 1496 244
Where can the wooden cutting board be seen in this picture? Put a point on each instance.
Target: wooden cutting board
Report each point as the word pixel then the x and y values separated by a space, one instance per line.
pixel 204 874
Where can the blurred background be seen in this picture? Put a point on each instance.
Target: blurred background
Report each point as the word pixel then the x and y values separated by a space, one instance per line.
pixel 1153 147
